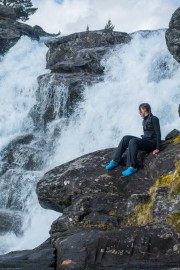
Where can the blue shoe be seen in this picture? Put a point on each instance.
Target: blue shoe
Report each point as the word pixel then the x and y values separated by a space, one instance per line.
pixel 129 171
pixel 112 164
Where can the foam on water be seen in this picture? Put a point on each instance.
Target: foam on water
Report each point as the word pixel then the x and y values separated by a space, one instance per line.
pixel 19 70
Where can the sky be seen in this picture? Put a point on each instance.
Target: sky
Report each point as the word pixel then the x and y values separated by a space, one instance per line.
pixel 69 16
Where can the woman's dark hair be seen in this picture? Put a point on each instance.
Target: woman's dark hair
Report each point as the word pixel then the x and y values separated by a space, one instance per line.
pixel 145 106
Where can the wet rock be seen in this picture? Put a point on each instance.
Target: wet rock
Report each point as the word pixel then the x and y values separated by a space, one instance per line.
pixel 16 187
pixel 173 35
pixel 24 152
pixel 11 221
pixel 57 97
pixel 41 258
pixel 82 52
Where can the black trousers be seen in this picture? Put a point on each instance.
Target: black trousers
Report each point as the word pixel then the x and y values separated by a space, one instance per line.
pixel 133 144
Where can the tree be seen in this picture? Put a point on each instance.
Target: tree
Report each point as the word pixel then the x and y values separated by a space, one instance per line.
pixel 87 28
pixel 22 8
pixel 109 26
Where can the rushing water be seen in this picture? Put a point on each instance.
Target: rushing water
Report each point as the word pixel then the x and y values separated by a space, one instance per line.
pixel 19 69
pixel 141 71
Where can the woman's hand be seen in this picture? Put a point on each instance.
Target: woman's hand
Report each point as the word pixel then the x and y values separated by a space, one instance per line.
pixel 156 151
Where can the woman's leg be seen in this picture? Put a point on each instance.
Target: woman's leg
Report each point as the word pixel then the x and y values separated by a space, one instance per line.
pixel 136 144
pixel 123 145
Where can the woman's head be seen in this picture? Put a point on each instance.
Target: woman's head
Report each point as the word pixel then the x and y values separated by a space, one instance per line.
pixel 144 109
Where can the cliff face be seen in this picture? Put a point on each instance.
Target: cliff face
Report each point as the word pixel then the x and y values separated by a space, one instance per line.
pixel 108 221
pixel 173 35
pixel 11 30
pixel 112 221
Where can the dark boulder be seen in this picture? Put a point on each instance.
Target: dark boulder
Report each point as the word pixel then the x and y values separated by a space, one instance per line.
pixel 11 221
pixel 11 30
pixel 24 152
pixel 41 33
pixel 173 35
pixel 40 258
pixel 173 134
pixel 82 52
pixel 153 245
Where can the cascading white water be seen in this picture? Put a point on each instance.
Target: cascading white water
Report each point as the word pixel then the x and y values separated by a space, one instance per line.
pixel 141 71
pixel 19 70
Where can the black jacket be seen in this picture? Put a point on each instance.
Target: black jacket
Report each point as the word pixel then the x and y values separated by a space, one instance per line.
pixel 152 129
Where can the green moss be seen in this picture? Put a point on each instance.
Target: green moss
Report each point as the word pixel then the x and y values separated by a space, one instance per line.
pixel 101 226
pixel 174 220
pixel 175 140
pixel 142 213
pixel 175 184
pixel 112 213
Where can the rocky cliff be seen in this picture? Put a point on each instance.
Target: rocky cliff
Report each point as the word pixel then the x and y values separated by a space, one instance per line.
pixel 11 30
pixel 173 35
pixel 108 221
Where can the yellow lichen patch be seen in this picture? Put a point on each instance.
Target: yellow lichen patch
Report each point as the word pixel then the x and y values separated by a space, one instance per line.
pixel 66 262
pixel 175 184
pixel 174 220
pixel 141 214
pixel 112 213
pixel 102 225
pixel 175 140
pixel 163 181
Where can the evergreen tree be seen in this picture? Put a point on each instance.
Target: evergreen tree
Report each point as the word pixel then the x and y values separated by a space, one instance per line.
pixel 22 8
pixel 109 26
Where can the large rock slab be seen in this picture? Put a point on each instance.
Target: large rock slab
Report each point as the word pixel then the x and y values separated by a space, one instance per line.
pixel 98 228
pixel 173 35
pixel 86 177
pixel 82 52
pixel 41 258
pixel 153 245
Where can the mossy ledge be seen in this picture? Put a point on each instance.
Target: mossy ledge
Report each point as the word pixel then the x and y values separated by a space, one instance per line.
pixel 143 213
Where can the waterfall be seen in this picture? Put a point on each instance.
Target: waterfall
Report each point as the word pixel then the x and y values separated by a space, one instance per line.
pixel 20 212
pixel 141 71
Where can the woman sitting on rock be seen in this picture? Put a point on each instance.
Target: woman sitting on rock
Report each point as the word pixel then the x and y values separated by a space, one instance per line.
pixel 151 141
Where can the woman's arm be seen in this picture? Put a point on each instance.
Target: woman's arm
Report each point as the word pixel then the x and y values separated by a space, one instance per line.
pixel 156 125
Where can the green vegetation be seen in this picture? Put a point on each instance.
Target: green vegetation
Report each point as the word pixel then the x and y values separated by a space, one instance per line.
pixel 102 226
pixel 174 220
pixel 109 26
pixel 175 140
pixel 142 213
pixel 22 8
pixel 175 184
